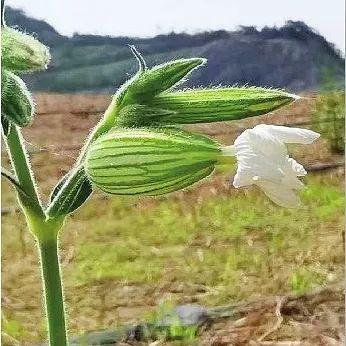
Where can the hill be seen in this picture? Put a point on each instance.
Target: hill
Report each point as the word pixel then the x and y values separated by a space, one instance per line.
pixel 291 57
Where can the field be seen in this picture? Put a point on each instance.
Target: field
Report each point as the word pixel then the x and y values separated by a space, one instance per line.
pixel 124 258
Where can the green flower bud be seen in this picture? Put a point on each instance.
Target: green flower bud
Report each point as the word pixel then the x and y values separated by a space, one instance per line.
pixel 149 162
pixel 21 52
pixel 66 201
pixel 219 104
pixel 150 82
pixel 16 101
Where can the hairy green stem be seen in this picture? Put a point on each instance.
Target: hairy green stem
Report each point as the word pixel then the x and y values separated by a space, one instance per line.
pixel 53 292
pixel 102 127
pixel 46 232
pixel 22 169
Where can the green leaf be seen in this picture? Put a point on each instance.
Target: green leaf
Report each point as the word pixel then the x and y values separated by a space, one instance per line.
pixel 219 104
pixel 15 183
pixel 16 102
pixel 150 82
pixel 70 193
pixel 25 198
pixel 149 161
pixel 21 52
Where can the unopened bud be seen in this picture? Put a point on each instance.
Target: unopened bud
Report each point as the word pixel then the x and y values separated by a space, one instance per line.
pixel 219 104
pixel 21 52
pixel 150 82
pixel 16 101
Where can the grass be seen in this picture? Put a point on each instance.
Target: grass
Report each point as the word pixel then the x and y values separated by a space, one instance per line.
pixel 12 328
pixel 220 237
pixel 173 331
pixel 211 245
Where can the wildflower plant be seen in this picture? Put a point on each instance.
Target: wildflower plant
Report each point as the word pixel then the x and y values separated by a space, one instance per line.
pixel 138 147
pixel 329 111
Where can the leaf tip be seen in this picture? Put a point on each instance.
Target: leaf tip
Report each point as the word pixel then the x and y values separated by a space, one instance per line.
pixel 141 62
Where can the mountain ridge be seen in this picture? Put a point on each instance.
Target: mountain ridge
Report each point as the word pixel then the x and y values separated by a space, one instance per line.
pixel 290 57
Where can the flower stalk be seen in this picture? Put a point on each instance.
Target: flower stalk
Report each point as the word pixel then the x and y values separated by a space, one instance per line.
pixel 46 234
pixel 53 292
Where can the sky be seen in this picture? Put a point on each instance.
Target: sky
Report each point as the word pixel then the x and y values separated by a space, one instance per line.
pixel 145 18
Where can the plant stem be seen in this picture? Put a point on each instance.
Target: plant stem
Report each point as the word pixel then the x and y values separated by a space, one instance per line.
pixel 53 292
pixel 21 166
pixel 46 232
pixel 103 126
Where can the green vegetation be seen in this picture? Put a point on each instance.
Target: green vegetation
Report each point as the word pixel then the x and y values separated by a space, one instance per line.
pixel 215 243
pixel 174 330
pixel 13 329
pixel 329 118
pixel 303 280
pixel 329 113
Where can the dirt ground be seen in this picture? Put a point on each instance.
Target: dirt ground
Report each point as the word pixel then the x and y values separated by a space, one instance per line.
pixel 310 319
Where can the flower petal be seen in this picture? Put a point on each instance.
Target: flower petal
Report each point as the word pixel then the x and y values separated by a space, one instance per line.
pixel 296 167
pixel 290 134
pixel 259 155
pixel 279 194
pixel 292 182
pixel 242 178
pixel 264 142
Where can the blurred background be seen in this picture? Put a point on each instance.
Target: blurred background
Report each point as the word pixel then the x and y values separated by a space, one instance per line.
pixel 267 43
pixel 127 260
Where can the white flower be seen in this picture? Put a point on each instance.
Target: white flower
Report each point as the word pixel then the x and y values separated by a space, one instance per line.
pixel 263 160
